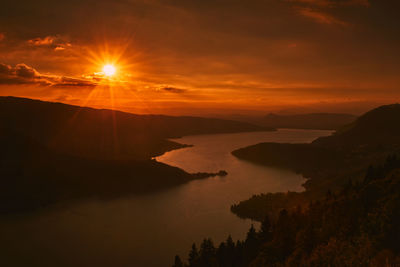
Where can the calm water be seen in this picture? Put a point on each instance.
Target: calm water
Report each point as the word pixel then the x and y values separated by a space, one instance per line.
pixel 148 230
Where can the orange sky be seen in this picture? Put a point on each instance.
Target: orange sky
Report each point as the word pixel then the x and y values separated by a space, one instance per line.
pixel 203 57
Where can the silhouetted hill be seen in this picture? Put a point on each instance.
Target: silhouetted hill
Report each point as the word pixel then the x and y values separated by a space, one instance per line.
pixel 328 162
pixel 318 121
pixel 380 126
pixel 105 134
pixel 321 121
pixel 34 176
pixel 293 156
pixel 53 152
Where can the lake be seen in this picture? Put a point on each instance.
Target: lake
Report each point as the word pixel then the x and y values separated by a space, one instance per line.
pixel 149 230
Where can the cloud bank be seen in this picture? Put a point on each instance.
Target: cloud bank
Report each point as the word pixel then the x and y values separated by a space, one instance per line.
pixel 24 74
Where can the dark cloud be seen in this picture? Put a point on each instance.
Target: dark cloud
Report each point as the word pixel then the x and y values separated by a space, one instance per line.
pixel 5 69
pixel 174 90
pixel 20 74
pixel 320 17
pixel 332 3
pixel 24 74
pixel 67 81
pixel 321 11
pixel 48 40
pixel 56 42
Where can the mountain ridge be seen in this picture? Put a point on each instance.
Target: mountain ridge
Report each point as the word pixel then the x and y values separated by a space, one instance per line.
pixel 318 121
pixel 104 133
pixel 42 161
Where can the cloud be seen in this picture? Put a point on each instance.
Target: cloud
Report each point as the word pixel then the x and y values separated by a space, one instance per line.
pixel 67 81
pixel 326 11
pixel 365 3
pixel 321 17
pixel 321 10
pixel 331 3
pixel 173 90
pixel 24 74
pixel 213 48
pixel 20 74
pixel 2 36
pixel 48 40
pixel 56 42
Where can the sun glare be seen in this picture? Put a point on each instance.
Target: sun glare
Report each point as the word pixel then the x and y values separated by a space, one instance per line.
pixel 109 70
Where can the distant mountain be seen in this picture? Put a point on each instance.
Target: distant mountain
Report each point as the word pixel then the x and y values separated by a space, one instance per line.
pixel 320 121
pixel 105 134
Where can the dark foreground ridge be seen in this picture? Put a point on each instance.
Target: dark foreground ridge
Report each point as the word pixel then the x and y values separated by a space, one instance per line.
pixel 357 226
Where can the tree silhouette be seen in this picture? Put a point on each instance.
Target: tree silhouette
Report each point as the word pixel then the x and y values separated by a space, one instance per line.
pixel 194 256
pixel 265 232
pixel 207 253
pixel 178 262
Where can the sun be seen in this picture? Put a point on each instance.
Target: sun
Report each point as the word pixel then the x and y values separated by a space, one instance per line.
pixel 109 70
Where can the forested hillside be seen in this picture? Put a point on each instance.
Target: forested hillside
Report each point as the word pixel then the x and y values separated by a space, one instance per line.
pixel 328 162
pixel 357 226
